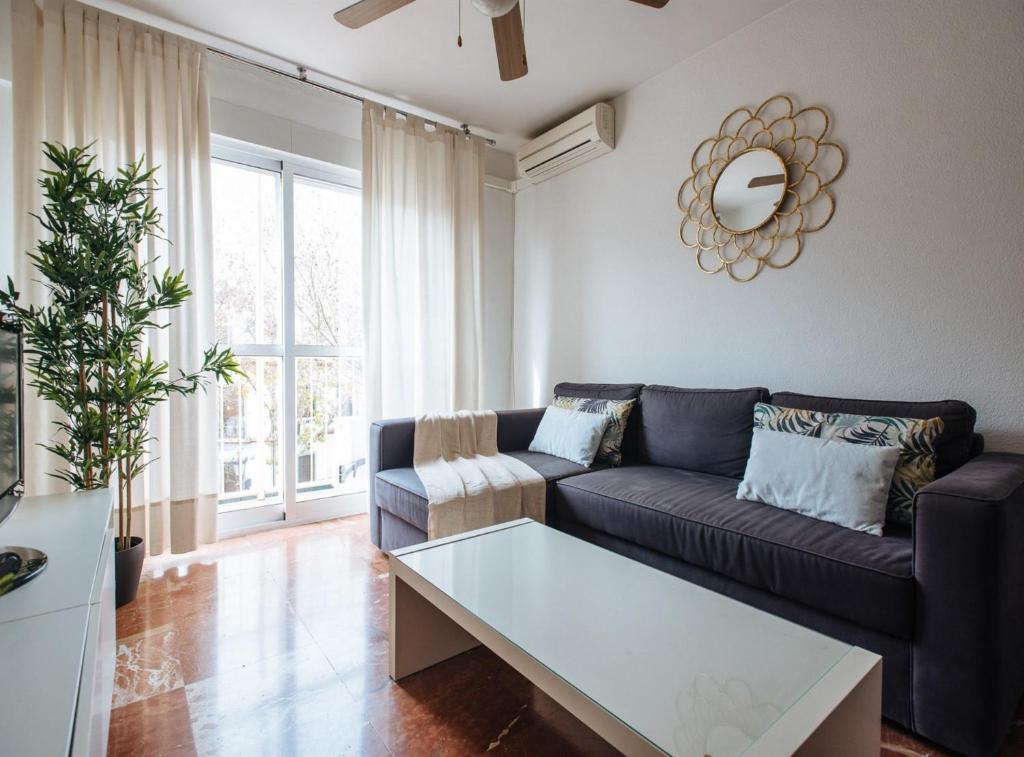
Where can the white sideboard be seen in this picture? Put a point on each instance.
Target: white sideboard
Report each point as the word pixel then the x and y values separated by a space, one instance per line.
pixel 57 632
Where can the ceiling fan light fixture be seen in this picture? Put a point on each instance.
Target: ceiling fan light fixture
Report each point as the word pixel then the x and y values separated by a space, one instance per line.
pixel 494 8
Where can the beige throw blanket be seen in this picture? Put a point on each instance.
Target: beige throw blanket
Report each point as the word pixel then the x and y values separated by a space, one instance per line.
pixel 469 483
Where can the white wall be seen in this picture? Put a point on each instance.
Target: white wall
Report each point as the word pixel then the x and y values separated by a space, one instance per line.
pixel 914 291
pixel 263 108
pixel 499 231
pixel 272 111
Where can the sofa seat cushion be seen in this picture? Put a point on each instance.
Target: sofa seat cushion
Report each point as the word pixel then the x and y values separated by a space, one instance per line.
pixel 401 493
pixel 695 517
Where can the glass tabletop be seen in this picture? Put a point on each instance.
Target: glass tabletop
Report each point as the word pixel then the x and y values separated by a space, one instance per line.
pixel 692 671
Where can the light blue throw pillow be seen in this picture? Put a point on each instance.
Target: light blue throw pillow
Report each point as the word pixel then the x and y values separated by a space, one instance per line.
pixel 828 479
pixel 570 434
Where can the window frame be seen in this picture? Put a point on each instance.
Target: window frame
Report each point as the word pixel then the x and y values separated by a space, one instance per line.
pixel 292 507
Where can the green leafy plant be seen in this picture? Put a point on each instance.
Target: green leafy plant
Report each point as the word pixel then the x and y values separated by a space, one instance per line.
pixel 85 349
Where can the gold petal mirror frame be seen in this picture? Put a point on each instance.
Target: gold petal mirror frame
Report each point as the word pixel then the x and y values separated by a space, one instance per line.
pixel 758 186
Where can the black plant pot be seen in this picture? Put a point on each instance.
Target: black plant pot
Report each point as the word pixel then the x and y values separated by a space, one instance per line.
pixel 128 570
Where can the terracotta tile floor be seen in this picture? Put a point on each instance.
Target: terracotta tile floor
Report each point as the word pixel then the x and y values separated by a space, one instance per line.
pixel 276 644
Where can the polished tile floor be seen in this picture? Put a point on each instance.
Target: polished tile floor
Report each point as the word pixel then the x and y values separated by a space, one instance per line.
pixel 276 644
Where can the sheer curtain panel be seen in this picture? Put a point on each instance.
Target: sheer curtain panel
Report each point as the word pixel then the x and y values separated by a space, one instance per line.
pixel 422 278
pixel 83 76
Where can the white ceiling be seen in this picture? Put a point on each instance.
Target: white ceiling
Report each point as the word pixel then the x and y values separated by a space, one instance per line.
pixel 579 51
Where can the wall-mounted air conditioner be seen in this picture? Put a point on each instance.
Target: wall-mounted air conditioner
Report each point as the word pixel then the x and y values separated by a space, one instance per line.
pixel 582 138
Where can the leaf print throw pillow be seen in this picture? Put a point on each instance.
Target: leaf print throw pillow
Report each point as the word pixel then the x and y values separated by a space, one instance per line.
pixel 915 437
pixel 916 465
pixel 610 450
pixel 789 420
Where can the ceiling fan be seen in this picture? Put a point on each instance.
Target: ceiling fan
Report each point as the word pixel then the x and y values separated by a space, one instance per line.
pixel 505 16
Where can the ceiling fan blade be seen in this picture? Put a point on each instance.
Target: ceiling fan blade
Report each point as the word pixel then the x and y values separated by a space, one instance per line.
pixel 510 44
pixel 653 3
pixel 365 11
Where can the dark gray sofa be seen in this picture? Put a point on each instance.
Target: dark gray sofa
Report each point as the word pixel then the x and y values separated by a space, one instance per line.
pixel 941 601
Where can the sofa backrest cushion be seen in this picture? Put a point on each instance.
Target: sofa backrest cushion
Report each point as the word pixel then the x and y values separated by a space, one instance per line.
pixel 954 446
pixel 631 436
pixel 705 430
pixel 598 391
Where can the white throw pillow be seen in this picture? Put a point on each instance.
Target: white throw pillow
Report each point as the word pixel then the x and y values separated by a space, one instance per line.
pixel 570 434
pixel 828 479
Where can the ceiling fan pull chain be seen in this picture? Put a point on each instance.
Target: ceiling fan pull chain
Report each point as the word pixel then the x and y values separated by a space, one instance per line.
pixel 460 21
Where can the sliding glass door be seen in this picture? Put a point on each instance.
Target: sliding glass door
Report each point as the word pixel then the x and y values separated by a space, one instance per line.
pixel 287 267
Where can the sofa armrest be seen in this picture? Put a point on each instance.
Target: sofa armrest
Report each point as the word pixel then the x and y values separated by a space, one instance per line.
pixel 392 441
pixel 968 669
pixel 392 444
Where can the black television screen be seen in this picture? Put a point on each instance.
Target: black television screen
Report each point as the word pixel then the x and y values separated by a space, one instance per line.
pixel 11 453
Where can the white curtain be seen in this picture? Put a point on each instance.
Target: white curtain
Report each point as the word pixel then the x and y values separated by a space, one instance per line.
pixel 422 265
pixel 82 76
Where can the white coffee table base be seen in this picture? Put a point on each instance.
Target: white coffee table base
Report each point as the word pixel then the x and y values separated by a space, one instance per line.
pixel 427 627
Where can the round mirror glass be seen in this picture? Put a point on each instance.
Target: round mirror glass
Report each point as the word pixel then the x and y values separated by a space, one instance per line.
pixel 749 190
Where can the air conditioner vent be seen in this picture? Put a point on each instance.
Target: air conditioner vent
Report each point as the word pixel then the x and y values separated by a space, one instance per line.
pixel 582 138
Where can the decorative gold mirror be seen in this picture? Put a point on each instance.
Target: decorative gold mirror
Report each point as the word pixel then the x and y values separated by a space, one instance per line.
pixel 758 186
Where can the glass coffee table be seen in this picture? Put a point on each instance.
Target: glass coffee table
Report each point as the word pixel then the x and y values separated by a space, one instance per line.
pixel 652 663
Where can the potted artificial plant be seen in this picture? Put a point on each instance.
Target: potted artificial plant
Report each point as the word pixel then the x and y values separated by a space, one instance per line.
pixel 86 349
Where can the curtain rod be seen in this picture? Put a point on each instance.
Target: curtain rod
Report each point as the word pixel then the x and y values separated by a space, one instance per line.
pixel 301 77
